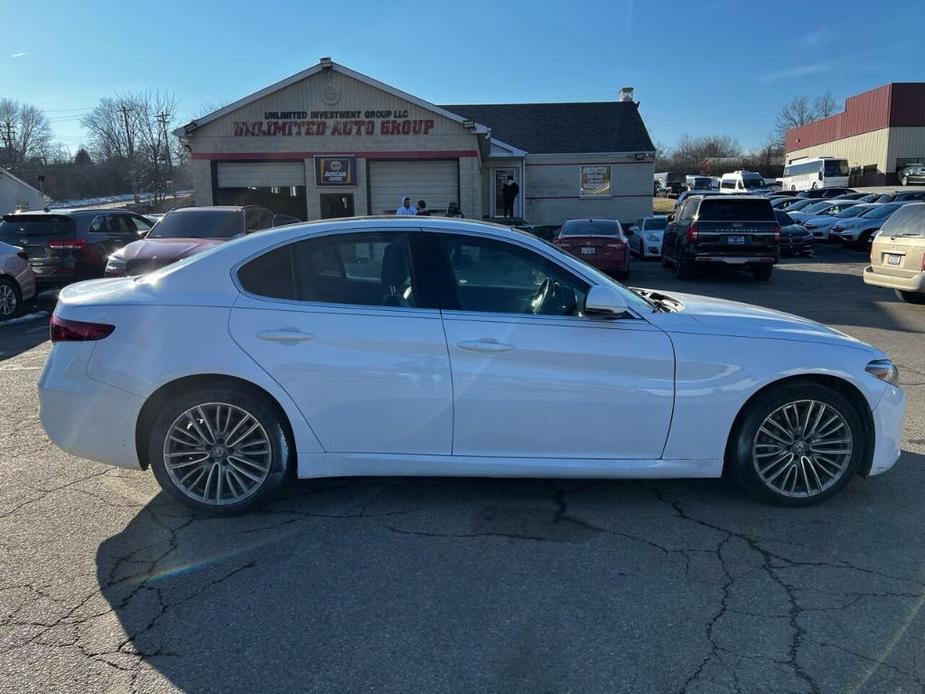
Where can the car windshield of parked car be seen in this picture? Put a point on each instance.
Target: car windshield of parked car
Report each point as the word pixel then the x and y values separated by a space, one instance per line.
pixel 798 206
pixel 35 225
pixel 590 227
pixel 655 224
pixel 817 207
pixel 881 211
pixel 199 224
pixel 853 211
pixel 753 183
pixel 741 210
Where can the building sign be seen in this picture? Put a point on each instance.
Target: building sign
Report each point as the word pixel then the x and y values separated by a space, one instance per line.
pixel 335 171
pixel 333 124
pixel 594 181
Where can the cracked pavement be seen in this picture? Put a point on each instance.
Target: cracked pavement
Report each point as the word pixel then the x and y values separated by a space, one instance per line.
pixel 471 585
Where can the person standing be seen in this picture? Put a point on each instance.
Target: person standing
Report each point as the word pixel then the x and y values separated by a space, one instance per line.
pixel 454 211
pixel 509 192
pixel 406 209
pixel 422 209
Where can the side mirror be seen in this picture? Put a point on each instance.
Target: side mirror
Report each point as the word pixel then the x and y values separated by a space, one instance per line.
pixel 605 302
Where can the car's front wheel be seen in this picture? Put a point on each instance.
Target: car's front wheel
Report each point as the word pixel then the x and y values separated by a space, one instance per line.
pixel 10 300
pixel 797 444
pixel 220 450
pixel 762 272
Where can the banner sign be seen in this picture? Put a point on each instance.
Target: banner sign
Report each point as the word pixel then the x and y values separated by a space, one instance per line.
pixel 333 124
pixel 594 181
pixel 335 171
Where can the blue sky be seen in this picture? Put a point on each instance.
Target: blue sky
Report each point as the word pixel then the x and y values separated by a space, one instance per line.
pixel 699 67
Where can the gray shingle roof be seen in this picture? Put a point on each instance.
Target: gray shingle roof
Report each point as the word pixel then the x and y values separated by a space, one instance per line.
pixel 605 126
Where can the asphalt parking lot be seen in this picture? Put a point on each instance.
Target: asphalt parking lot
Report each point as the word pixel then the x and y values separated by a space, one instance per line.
pixel 471 585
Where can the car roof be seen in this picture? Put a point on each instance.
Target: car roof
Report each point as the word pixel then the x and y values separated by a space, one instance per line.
pixel 219 208
pixel 76 212
pixel 590 219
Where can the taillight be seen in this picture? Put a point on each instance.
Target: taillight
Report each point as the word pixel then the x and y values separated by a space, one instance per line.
pixel 777 234
pixel 77 331
pixel 66 244
pixel 23 255
pixel 692 232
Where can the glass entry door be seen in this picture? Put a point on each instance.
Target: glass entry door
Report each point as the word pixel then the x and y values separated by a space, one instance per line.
pixel 336 205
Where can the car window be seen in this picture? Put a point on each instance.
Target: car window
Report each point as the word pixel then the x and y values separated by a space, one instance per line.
pixel 199 223
pixel 908 221
pixel 362 269
pixel 591 227
pixel 120 224
pixel 655 223
pixel 140 223
pixel 741 210
pixel 687 212
pixel 99 225
pixel 16 225
pixel 257 218
pixel 497 277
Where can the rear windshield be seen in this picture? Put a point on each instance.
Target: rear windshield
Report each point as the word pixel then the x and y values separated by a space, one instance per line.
pixel 852 211
pixel 199 224
pixel 817 207
pixel 589 227
pixel 720 210
pixel 836 167
pixel 656 224
pixel 908 221
pixel 15 225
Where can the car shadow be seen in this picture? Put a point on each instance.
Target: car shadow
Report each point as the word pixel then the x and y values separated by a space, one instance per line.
pixel 495 584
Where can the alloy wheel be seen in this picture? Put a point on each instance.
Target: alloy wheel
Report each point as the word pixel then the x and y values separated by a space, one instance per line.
pixel 8 300
pixel 802 448
pixel 217 453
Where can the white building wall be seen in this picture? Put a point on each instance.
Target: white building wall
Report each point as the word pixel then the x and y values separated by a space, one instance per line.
pixel 905 143
pixel 202 182
pixel 15 194
pixel 552 188
pixel 860 150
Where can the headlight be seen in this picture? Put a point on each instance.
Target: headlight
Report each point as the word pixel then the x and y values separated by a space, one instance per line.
pixel 115 263
pixel 883 369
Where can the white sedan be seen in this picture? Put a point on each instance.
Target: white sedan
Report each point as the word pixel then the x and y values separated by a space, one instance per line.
pixel 446 347
pixel 645 238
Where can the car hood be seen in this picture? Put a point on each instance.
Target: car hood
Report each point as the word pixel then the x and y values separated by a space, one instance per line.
pixel 167 249
pixel 709 315
pixel 824 220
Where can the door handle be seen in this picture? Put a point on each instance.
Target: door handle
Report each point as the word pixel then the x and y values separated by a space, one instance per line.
pixel 285 335
pixel 486 344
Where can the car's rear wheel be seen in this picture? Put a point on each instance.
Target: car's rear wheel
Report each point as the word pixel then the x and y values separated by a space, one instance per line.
pixel 797 444
pixel 911 297
pixel 10 298
pixel 762 272
pixel 220 450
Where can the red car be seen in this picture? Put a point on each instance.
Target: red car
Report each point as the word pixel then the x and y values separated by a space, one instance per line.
pixel 599 242
pixel 185 232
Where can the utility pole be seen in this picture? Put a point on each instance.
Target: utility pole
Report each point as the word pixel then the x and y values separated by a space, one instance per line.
pixel 130 141
pixel 162 118
pixel 8 135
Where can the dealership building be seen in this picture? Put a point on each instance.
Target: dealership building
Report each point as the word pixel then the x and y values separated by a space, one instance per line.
pixel 331 142
pixel 879 132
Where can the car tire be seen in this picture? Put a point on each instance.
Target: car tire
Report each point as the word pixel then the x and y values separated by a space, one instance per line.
pixel 684 269
pixel 911 297
pixel 246 473
pixel 763 452
pixel 762 273
pixel 10 298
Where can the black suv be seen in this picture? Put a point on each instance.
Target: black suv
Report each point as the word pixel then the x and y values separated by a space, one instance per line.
pixel 65 246
pixel 738 230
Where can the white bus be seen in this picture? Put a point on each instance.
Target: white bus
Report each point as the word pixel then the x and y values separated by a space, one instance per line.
pixel 816 172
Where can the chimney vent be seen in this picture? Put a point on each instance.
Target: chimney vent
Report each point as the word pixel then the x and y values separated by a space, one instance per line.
pixel 626 94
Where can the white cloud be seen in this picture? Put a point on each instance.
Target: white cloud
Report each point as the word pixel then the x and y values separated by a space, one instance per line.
pixel 19 55
pixel 797 71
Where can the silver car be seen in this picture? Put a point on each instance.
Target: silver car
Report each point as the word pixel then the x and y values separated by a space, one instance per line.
pixel 17 283
pixel 645 239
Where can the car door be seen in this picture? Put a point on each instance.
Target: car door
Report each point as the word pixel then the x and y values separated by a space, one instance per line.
pixel 534 379
pixel 340 323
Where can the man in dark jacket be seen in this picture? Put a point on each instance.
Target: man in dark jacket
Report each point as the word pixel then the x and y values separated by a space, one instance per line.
pixel 509 192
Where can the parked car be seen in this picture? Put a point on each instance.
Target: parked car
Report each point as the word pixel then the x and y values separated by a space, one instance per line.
pixel 818 208
pixel 907 196
pixel 645 237
pixel 870 197
pixel 732 230
pixel 282 348
pixel 795 239
pixel 184 232
pixel 912 174
pixel 17 283
pixel 897 257
pixel 817 193
pixel 65 246
pixel 741 182
pixel 821 225
pixel 859 231
pixel 600 242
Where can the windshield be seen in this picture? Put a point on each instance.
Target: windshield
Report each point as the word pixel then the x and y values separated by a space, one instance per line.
pixel 853 211
pixel 817 207
pixel 199 224
pixel 44 225
pixel 590 227
pixel 701 183
pixel 655 224
pixel 880 212
pixel 836 167
pixel 753 183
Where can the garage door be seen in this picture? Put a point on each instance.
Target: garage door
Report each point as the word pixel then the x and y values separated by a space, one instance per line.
pixel 261 174
pixel 435 182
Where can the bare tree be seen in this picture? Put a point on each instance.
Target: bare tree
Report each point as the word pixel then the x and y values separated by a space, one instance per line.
pixel 24 132
pixel 800 111
pixel 825 105
pixel 691 152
